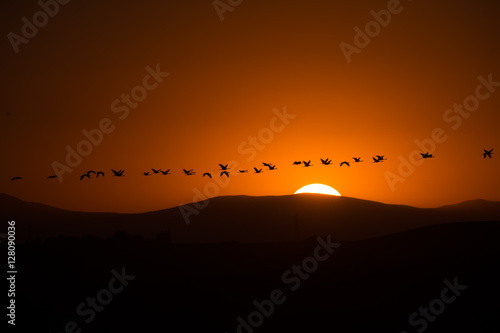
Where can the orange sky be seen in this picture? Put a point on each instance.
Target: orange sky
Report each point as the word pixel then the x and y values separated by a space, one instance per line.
pixel 226 78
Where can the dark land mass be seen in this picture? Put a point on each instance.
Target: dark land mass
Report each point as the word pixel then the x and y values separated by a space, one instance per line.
pixel 387 262
pixel 245 219
pixel 371 285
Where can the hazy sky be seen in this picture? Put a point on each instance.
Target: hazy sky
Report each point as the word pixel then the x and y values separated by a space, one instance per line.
pixel 174 87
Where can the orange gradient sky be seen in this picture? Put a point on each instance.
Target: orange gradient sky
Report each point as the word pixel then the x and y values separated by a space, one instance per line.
pixel 226 78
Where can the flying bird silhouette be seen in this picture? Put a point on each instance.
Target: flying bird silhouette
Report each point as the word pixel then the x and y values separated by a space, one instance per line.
pixel 380 157
pixel 85 175
pixel 377 160
pixel 297 163
pixel 326 161
pixel 345 162
pixel 207 174
pixel 118 173
pixel 358 159
pixel 156 171
pixel 91 171
pixel 243 171
pixel 165 172
pixel 16 178
pixel 224 173
pixel 189 172
pixel 270 166
pixel 257 170
pixel 307 164
pixel 100 173
pixel 427 155
pixel 487 153
pixel 52 177
pixel 224 167
pixel 146 174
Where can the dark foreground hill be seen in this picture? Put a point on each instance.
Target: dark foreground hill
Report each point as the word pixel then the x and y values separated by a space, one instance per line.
pixel 375 285
pixel 246 219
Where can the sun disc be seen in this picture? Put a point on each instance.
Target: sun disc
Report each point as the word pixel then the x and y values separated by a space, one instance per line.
pixel 319 189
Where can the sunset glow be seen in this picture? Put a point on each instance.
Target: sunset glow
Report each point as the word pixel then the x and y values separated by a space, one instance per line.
pixel 319 189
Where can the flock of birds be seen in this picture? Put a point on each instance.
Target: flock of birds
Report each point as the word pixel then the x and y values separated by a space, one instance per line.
pixel 224 168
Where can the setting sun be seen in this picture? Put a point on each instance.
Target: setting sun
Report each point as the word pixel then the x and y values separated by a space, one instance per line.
pixel 318 188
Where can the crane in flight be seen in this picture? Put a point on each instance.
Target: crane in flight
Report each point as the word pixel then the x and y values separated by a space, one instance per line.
pixel 189 172
pixel 146 174
pixel 100 173
pixel 224 173
pixel 85 175
pixel 377 160
pixel 307 164
pixel 207 174
pixel 52 177
pixel 357 159
pixel 487 153
pixel 381 158
pixel 224 167
pixel 297 163
pixel 243 171
pixel 270 166
pixel 165 172
pixel 118 173
pixel 326 161
pixel 156 171
pixel 427 155
pixel 346 163
pixel 257 170
pixel 16 178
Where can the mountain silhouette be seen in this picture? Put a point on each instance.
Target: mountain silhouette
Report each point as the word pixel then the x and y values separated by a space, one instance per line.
pixel 247 219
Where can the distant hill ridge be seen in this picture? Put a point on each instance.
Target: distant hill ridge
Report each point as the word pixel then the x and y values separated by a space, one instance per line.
pixel 247 218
